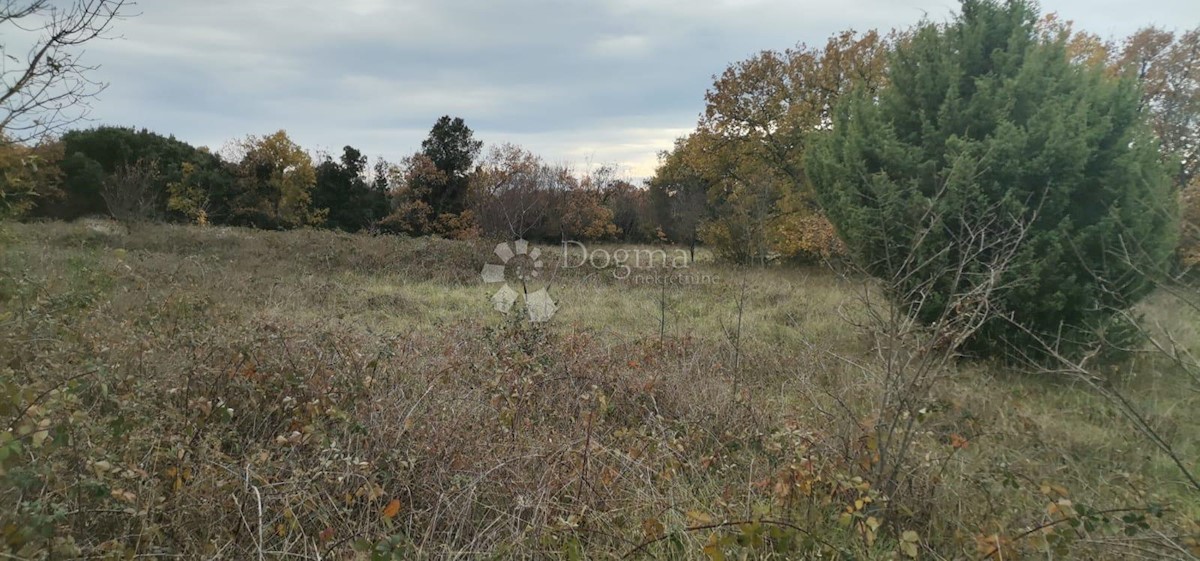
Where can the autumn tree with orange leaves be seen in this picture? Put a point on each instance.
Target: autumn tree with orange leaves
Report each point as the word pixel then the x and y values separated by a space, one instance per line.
pixel 750 142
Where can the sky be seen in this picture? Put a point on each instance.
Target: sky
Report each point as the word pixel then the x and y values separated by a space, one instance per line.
pixel 580 82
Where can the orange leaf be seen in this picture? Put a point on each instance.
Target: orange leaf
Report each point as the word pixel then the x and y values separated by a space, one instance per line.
pixel 392 509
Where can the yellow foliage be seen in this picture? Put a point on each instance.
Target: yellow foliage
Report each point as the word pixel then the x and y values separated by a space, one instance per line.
pixel 289 177
pixel 806 236
pixel 27 173
pixel 185 197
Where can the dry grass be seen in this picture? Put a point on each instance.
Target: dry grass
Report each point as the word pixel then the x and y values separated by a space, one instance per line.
pixel 228 394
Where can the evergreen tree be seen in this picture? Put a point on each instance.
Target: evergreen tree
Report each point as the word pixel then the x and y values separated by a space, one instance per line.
pixel 342 189
pixel 452 147
pixel 94 155
pixel 985 118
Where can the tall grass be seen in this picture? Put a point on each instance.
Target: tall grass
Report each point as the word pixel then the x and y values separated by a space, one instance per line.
pixel 234 394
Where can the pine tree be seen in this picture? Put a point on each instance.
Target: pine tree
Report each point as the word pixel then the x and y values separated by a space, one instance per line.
pixel 452 147
pixel 985 117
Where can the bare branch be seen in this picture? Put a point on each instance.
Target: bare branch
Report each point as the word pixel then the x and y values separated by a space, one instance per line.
pixel 131 193
pixel 50 87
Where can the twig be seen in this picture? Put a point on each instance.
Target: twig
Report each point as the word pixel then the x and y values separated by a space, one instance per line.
pixel 1053 523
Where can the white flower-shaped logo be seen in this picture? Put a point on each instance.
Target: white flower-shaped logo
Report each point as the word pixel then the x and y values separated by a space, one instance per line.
pixel 526 265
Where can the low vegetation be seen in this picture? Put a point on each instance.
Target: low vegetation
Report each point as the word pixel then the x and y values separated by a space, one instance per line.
pixel 210 392
pixel 264 353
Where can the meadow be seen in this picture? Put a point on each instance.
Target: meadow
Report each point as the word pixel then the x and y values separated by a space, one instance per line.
pixel 225 393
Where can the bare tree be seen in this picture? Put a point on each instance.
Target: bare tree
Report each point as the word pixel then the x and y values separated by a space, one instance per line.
pixel 512 192
pixel 49 87
pixel 131 193
pixel 911 357
pixel 1155 343
pixel 687 208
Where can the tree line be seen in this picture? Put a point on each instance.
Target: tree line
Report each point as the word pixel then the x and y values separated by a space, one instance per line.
pixel 736 184
pixel 452 187
pixel 739 184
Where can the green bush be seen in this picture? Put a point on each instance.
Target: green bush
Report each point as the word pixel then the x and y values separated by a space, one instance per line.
pixel 987 125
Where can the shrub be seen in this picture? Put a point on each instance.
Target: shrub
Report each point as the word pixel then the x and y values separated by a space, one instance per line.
pixel 29 175
pixel 131 193
pixel 987 125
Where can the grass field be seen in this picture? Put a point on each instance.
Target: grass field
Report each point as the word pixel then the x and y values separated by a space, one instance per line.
pixel 232 394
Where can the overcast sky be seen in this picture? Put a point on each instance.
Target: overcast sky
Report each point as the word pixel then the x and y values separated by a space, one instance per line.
pixel 582 82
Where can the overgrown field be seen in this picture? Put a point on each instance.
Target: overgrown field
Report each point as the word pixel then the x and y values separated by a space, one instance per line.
pixel 232 394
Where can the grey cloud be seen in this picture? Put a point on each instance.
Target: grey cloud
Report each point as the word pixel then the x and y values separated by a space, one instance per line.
pixel 577 81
